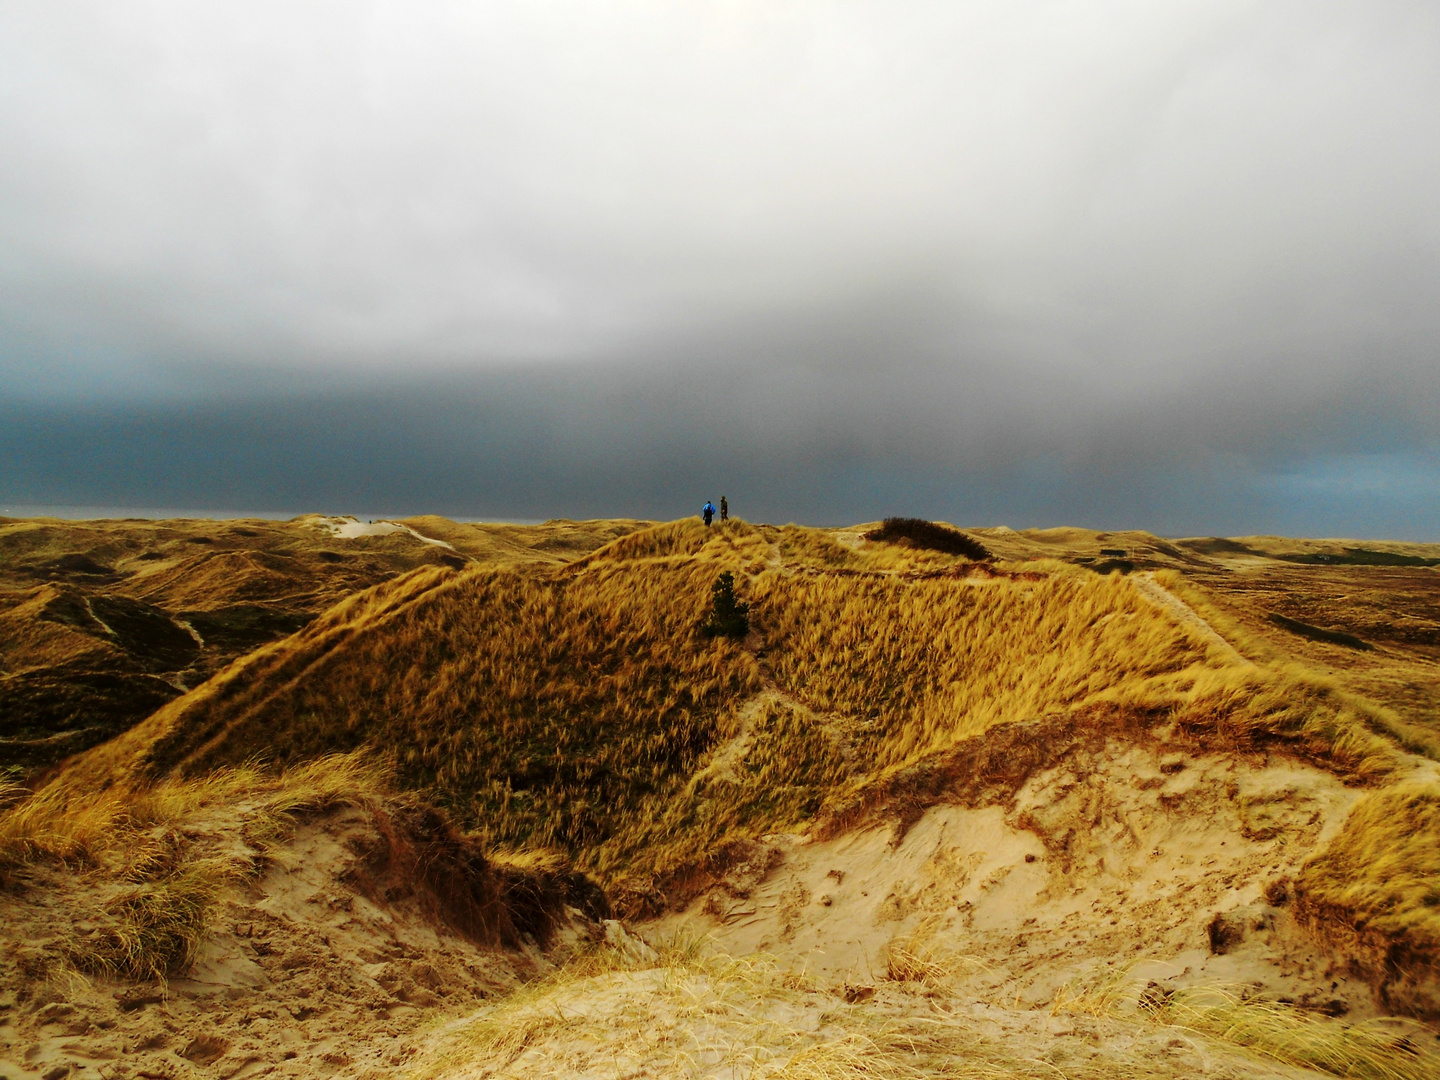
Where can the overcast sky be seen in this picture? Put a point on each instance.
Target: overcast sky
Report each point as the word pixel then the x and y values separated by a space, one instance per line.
pixel 1171 266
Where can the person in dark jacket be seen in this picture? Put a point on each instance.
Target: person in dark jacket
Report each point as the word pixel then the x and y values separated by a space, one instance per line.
pixel 708 512
pixel 724 509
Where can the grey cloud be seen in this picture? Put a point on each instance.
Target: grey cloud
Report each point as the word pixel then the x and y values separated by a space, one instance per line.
pixel 1073 258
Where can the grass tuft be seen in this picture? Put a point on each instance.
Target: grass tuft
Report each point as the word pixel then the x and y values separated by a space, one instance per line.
pixel 1388 1049
pixel 919 956
pixel 1379 1050
pixel 153 931
pixel 1380 877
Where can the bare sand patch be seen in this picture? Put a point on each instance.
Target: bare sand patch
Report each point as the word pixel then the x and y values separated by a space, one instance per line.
pixel 350 528
pixel 1170 867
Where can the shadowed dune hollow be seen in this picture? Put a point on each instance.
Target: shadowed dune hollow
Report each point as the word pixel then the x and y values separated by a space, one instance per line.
pixel 461 800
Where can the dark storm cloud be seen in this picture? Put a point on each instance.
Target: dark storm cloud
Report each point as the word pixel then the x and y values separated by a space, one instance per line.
pixel 1165 265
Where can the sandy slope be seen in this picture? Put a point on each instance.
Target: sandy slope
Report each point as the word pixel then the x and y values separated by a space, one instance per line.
pixel 1123 856
pixel 319 967
pixel 732 1021
pixel 349 528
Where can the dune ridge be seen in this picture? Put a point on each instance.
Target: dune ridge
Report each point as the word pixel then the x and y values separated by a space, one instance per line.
pixel 1142 739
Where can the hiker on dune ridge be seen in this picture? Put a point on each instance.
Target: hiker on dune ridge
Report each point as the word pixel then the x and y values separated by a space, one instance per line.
pixel 708 512
pixel 724 509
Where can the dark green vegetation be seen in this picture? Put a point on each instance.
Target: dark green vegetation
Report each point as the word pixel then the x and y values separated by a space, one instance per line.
pixel 928 536
pixel 1358 557
pixel 1316 633
pixel 728 616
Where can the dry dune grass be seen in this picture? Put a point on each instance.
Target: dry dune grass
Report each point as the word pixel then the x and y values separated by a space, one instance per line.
pixel 73 824
pixel 1376 717
pixel 153 920
pixel 103 622
pixel 542 708
pixel 688 1012
pixel 924 956
pixel 1382 1049
pixel 580 710
pixel 1381 875
pixel 1387 1049
pixel 923 664
pixel 684 1010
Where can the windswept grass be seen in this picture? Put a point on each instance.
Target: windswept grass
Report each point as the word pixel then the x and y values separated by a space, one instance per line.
pixel 585 710
pixel 70 824
pixel 689 1012
pixel 1383 1050
pixel 153 888
pixel 923 956
pixel 1368 714
pixel 153 930
pixel 1291 706
pixel 1381 875
pixel 924 664
pixel 1374 1050
pixel 682 1010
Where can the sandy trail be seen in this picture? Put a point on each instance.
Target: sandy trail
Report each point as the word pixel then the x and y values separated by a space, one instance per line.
pixel 1162 597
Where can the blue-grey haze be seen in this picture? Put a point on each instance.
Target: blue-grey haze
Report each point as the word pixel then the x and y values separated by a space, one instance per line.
pixel 1111 264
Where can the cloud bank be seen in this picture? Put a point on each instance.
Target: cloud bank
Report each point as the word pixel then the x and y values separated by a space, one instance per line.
pixel 1121 264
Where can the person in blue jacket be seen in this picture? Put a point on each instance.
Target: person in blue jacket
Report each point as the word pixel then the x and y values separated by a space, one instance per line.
pixel 708 512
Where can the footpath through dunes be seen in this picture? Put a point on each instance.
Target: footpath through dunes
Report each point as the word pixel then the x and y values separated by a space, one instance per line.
pixel 935 815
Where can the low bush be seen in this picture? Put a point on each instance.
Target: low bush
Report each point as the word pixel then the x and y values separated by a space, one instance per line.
pixel 728 616
pixel 919 533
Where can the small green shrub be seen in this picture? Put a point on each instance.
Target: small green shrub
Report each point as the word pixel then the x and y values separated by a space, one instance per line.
pixel 728 617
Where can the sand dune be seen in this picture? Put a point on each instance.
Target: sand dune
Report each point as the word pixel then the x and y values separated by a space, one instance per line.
pixel 1093 805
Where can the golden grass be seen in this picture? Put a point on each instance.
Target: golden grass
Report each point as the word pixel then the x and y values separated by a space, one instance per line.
pixel 154 930
pixel 690 1012
pixel 1380 1050
pixel 541 709
pixel 1237 705
pixel 687 1011
pixel 925 664
pixel 582 710
pixel 922 956
pixel 71 824
pixel 1393 609
pixel 153 891
pixel 1387 1049
pixel 1367 713
pixel 1381 874
pixel 1105 995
